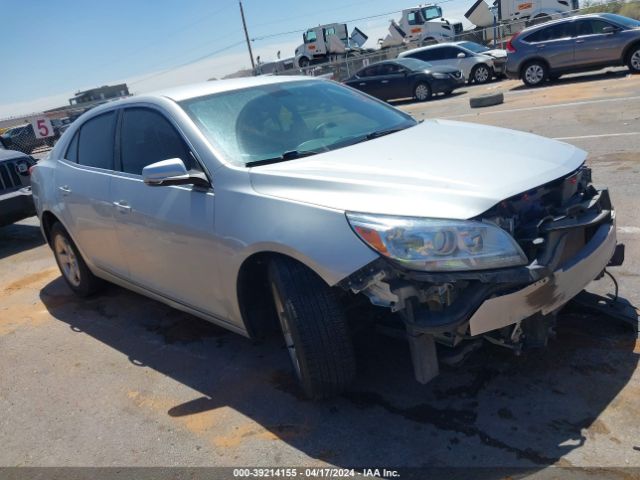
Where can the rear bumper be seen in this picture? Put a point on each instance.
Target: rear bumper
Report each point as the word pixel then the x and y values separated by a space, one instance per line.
pixel 16 205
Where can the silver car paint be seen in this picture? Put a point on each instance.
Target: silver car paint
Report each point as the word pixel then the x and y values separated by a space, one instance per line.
pixel 437 169
pixel 190 258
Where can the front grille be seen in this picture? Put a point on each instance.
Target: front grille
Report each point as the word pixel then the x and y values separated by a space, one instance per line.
pixel 457 28
pixel 9 177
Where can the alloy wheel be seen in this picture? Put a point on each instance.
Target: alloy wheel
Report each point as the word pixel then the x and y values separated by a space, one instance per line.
pixel 67 260
pixel 534 74
pixel 422 92
pixel 481 74
pixel 635 60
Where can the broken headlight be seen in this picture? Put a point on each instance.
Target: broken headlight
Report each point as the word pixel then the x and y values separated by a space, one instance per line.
pixel 438 245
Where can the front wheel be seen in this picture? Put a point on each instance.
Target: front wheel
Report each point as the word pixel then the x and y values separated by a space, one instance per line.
pixel 304 62
pixel 314 329
pixel 422 92
pixel 481 74
pixel 73 268
pixel 535 73
pixel 634 60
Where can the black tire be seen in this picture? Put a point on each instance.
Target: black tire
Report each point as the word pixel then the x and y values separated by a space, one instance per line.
pixel 480 74
pixel 553 77
pixel 486 100
pixel 318 338
pixel 422 92
pixel 633 59
pixel 79 278
pixel 535 73
pixel 304 62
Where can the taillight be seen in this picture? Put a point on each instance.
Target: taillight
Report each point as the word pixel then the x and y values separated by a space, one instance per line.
pixel 510 48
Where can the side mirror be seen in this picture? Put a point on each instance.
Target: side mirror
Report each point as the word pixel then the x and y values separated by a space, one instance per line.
pixel 461 55
pixel 172 172
pixel 609 29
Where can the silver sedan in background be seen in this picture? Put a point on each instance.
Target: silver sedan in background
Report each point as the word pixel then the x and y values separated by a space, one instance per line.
pixel 281 203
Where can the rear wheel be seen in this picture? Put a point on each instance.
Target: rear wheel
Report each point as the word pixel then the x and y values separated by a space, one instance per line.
pixel 73 268
pixel 314 329
pixel 634 59
pixel 422 92
pixel 535 73
pixel 481 73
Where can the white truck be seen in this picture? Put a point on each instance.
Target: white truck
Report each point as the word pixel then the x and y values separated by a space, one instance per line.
pixel 422 25
pixel 324 41
pixel 514 15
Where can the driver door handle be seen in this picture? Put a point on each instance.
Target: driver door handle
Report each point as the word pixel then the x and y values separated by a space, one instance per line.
pixel 65 189
pixel 579 41
pixel 122 206
pixel 384 81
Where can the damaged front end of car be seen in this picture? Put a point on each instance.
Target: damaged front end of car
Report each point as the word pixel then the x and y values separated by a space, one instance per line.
pixel 501 276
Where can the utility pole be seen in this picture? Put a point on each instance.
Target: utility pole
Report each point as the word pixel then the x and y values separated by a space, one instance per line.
pixel 246 35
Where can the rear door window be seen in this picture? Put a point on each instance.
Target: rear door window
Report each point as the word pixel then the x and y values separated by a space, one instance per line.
pixel 553 32
pixel 370 71
pixel 425 55
pixel 95 146
pixel 147 137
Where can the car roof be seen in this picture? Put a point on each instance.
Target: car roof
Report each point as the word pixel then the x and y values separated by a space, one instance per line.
pixel 185 92
pixel 566 20
pixel 429 47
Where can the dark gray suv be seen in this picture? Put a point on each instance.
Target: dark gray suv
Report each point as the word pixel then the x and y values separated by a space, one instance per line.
pixel 581 43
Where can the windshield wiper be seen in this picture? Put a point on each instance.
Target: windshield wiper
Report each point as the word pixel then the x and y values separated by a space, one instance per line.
pixel 382 133
pixel 288 155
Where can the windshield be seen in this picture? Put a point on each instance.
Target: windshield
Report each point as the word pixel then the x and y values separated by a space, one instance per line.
pixel 429 13
pixel 305 117
pixel 624 21
pixel 474 47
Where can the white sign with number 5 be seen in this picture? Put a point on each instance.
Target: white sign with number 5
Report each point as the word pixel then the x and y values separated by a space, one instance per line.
pixel 42 127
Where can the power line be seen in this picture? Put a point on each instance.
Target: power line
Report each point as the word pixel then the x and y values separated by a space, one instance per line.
pixel 210 54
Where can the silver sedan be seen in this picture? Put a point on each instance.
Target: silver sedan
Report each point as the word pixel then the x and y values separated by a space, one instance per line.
pixel 278 202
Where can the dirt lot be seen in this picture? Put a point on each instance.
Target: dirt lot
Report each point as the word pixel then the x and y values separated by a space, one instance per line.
pixel 123 380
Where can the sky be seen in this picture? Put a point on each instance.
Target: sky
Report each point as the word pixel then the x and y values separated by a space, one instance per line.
pixel 54 48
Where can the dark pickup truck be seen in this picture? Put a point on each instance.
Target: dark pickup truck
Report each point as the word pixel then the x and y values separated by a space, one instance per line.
pixel 16 201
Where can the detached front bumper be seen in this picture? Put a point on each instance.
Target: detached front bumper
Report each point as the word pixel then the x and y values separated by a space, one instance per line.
pixel 552 292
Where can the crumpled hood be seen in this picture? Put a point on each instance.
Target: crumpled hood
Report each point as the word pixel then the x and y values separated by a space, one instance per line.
pixel 438 169
pixel 496 53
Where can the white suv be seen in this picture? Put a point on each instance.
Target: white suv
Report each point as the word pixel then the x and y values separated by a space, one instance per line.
pixel 478 63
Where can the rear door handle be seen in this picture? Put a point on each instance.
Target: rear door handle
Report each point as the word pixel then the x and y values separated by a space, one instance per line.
pixel 384 81
pixel 362 84
pixel 122 206
pixel 579 41
pixel 65 189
